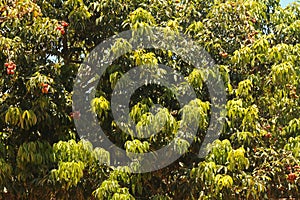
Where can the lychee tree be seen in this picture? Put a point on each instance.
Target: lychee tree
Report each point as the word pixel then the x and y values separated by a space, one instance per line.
pixel 255 45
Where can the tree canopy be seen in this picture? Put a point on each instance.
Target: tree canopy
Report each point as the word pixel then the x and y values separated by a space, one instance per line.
pixel 256 49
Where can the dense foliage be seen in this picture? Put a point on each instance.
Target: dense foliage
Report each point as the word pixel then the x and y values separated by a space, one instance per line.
pixel 255 44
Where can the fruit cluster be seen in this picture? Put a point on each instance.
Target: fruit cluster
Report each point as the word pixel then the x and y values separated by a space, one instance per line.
pixel 45 88
pixel 292 177
pixel 268 135
pixel 11 66
pixel 61 27
pixel 223 54
pixel 75 115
